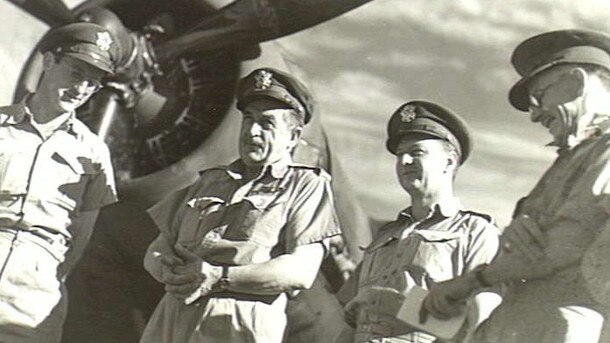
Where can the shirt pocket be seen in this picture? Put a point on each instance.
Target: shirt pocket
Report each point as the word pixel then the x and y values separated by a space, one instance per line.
pixel 263 219
pixel 15 168
pixel 438 257
pixel 69 174
pixel 377 259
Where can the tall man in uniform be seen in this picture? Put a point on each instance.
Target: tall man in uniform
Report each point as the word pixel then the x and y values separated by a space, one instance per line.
pixel 565 86
pixel 55 175
pixel 430 241
pixel 237 241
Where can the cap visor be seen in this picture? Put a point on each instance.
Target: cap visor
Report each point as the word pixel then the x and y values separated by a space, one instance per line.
pixel 90 60
pixel 264 96
pixel 518 95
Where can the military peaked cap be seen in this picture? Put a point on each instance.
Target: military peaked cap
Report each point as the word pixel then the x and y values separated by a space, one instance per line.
pixel 428 118
pixel 548 49
pixel 277 85
pixel 87 42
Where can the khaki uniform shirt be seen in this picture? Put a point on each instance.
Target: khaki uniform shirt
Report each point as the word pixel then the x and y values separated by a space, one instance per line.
pixel 44 183
pixel 448 243
pixel 230 221
pixel 576 188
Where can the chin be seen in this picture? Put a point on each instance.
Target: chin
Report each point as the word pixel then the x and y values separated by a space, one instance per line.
pixel 70 106
pixel 252 162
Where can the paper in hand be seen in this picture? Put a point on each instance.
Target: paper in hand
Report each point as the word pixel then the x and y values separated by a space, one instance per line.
pixel 409 313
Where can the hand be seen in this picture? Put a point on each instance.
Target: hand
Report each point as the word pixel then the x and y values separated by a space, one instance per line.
pixel 523 235
pixel 165 271
pixel 202 274
pixel 389 302
pixel 447 299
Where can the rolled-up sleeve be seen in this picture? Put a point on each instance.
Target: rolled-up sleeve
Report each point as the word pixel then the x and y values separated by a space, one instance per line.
pixel 101 188
pixel 312 217
pixel 484 242
pixel 164 212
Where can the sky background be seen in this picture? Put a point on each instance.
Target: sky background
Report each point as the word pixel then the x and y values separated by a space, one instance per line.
pixel 365 64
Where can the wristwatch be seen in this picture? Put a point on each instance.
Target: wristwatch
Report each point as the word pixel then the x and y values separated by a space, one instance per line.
pixel 223 283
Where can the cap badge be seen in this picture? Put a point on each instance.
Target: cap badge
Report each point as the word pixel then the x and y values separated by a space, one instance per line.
pixel 262 80
pixel 408 114
pixel 103 41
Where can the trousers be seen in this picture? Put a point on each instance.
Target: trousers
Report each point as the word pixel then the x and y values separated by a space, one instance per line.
pixel 32 294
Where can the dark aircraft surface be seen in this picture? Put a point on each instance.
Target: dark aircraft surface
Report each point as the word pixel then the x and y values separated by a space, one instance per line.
pixel 168 113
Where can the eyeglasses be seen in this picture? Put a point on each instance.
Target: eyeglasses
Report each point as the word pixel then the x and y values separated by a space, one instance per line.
pixel 561 90
pixel 94 85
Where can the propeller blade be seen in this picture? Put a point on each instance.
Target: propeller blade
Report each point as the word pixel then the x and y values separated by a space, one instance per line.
pixel 253 21
pixel 52 12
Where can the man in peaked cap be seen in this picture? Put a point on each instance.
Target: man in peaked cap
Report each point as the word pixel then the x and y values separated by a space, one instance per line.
pixel 235 243
pixel 431 240
pixel 555 284
pixel 55 175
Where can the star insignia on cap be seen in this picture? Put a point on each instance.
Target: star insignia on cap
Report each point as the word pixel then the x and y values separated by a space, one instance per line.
pixel 262 79
pixel 408 114
pixel 103 41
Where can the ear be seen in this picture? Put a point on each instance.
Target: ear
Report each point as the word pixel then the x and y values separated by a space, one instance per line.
pixel 452 161
pixel 48 59
pixel 580 79
pixel 296 134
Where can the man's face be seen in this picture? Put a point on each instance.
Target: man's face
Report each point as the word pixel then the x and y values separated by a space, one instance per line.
pixel 266 135
pixel 554 94
pixel 70 81
pixel 423 164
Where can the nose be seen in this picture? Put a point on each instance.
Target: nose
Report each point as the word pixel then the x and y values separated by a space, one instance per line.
pixel 406 159
pixel 82 87
pixel 255 129
pixel 535 115
pixel 86 86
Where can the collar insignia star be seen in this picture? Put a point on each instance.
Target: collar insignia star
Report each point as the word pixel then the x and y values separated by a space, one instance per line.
pixel 262 80
pixel 103 41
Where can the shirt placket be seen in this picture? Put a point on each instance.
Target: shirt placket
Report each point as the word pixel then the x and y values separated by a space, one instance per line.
pixel 39 154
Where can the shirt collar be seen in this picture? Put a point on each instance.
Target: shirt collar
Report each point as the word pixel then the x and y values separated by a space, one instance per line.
pixel 446 208
pixel 17 113
pixel 277 170
pixel 600 124
pixel 14 114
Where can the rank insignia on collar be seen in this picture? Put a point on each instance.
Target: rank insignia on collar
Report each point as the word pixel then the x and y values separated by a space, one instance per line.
pixel 262 79
pixel 408 114
pixel 103 41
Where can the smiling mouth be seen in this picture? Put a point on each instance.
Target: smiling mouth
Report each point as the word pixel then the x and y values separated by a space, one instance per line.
pixel 72 97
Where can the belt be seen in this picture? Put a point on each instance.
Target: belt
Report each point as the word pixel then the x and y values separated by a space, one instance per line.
pixel 42 233
pixel 268 299
pixel 383 330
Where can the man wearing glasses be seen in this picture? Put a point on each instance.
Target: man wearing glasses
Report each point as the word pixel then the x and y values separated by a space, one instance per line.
pixel 565 86
pixel 55 175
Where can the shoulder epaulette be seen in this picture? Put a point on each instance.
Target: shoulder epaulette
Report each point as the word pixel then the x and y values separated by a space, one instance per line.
pixel 485 216
pixel 318 170
pixel 203 171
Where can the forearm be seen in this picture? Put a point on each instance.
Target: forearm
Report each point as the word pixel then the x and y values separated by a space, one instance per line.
pixel 284 273
pixel 479 308
pixel 152 260
pixel 81 229
pixel 565 246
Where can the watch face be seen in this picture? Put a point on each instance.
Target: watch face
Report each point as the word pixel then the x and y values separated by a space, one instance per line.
pixel 179 109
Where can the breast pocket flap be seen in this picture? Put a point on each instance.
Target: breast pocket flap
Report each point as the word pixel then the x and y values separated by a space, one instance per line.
pixel 436 236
